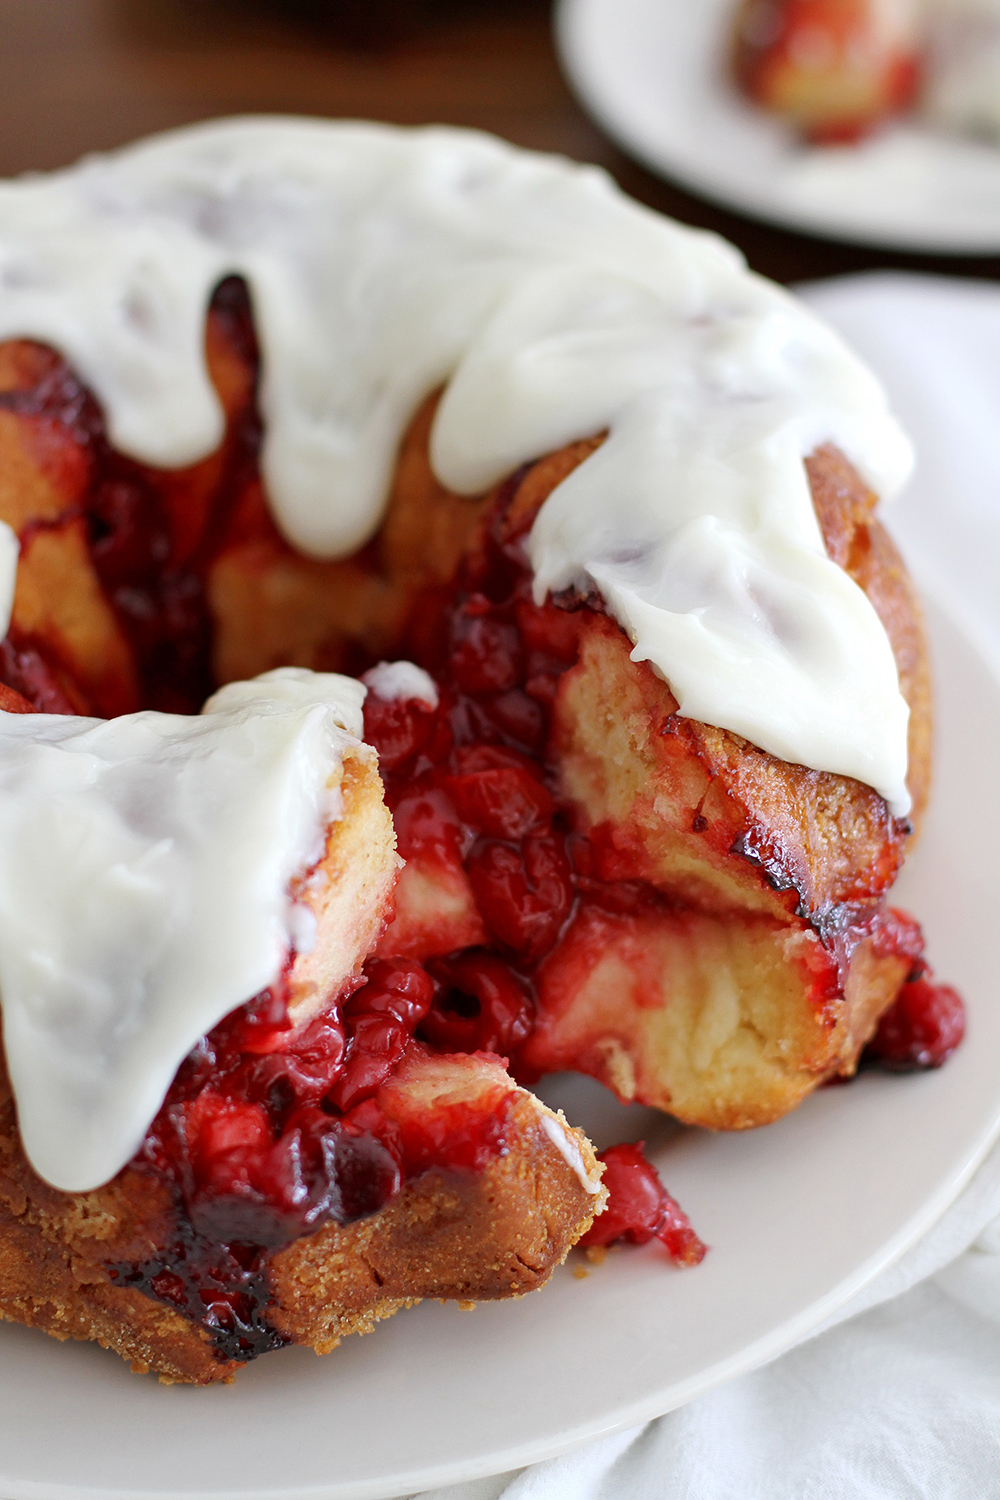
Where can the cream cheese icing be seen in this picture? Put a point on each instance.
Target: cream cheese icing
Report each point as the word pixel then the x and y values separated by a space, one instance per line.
pixel 145 869
pixel 384 263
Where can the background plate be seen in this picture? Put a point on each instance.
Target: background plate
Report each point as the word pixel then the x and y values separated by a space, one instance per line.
pixel 799 1216
pixel 653 73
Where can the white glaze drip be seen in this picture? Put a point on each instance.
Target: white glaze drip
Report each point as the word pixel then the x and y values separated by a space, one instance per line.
pixel 10 549
pixel 402 680
pixel 384 263
pixel 145 866
pixel 560 1133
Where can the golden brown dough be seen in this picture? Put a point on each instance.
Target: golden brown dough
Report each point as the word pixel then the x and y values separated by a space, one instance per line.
pixel 470 1235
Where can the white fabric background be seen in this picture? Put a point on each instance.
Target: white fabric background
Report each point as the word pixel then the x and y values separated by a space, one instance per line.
pixel 898 1398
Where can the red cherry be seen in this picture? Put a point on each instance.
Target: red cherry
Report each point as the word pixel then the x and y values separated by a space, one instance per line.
pixel 502 803
pixel 921 1029
pixel 377 1044
pixel 639 1208
pixel 517 717
pixel 217 1125
pixel 304 1072
pixel 549 631
pixel 398 728
pixel 398 987
pixel 486 653
pixel 524 894
pixel 481 1006
pixel 426 822
pixel 262 1025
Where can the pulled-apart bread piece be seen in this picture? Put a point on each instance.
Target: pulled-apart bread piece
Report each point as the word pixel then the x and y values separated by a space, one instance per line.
pixel 776 957
pixel 312 1168
pixel 497 1189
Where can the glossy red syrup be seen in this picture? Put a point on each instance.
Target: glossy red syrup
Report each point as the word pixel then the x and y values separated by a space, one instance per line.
pixel 640 1209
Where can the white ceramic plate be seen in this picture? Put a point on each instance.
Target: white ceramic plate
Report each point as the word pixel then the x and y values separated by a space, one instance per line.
pixel 799 1216
pixel 653 73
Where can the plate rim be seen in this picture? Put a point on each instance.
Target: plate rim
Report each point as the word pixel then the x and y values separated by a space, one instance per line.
pixel 776 1343
pixel 582 68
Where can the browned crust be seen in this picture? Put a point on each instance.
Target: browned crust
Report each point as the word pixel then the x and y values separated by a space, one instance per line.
pixel 457 1236
pixel 469 1235
pixel 859 543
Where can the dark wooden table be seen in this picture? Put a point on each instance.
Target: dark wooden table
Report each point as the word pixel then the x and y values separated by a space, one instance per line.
pixel 80 75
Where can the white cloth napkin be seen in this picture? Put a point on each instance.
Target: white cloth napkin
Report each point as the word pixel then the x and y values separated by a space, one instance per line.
pixel 898 1396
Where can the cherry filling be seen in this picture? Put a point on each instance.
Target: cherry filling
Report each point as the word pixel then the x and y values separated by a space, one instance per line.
pixel 269 1131
pixel 254 1134
pixel 639 1209
pixel 472 788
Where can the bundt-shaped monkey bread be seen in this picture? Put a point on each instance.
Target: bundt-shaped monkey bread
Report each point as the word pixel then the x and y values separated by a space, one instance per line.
pixel 519 849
